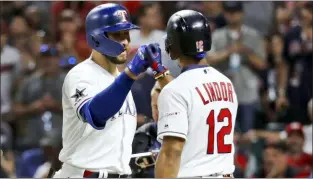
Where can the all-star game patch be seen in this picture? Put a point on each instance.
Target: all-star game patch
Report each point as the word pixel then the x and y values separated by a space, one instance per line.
pixel 79 94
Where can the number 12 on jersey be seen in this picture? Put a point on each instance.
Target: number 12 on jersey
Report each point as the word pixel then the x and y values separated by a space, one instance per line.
pixel 226 130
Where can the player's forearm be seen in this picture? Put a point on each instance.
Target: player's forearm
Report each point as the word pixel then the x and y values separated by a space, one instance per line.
pixel 109 101
pixel 167 165
pixel 164 81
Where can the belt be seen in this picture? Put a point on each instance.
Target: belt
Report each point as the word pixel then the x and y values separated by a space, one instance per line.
pixel 228 176
pixel 216 175
pixel 110 175
pixel 90 174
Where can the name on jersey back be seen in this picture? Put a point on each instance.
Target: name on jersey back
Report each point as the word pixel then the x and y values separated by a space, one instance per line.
pixel 215 91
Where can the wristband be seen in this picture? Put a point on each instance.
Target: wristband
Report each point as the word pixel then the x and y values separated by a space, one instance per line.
pixel 161 75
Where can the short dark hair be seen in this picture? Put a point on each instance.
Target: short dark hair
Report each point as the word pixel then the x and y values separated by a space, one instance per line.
pixel 233 6
pixel 309 6
pixel 143 7
pixel 280 146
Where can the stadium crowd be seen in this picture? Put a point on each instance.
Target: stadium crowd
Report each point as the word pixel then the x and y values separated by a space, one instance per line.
pixel 264 47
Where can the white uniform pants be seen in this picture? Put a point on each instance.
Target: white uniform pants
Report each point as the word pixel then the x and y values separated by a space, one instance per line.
pixel 68 171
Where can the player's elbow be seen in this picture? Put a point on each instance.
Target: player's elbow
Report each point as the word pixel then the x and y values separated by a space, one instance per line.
pixel 96 122
pixel 173 146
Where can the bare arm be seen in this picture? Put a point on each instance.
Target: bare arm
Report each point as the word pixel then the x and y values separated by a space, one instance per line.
pixel 268 135
pixel 22 110
pixel 282 69
pixel 164 81
pixel 168 162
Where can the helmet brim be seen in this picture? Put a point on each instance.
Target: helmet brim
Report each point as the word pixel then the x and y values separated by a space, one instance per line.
pixel 120 27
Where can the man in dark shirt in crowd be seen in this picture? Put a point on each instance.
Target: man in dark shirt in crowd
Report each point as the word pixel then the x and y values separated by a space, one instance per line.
pixel 275 163
pixel 213 10
pixel 238 52
pixel 295 75
pixel 40 93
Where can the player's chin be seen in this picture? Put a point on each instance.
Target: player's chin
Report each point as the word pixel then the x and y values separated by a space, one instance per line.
pixel 121 59
pixel 118 60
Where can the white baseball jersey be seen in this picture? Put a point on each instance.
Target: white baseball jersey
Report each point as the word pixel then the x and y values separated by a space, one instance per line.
pixel 200 105
pixel 88 148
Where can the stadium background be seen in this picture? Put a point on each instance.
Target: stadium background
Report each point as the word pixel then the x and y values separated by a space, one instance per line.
pixel 275 129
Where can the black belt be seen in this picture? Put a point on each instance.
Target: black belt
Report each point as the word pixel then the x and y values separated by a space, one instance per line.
pixel 90 174
pixel 224 175
pixel 216 174
pixel 117 176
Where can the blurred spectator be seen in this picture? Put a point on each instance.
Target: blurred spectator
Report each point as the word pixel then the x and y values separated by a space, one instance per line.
pixel 71 42
pixel 68 62
pixel 149 19
pixel 80 7
pixel 132 6
pixel 68 22
pixel 7 169
pixel 259 15
pixel 10 70
pixel 275 162
pixel 296 156
pixel 10 9
pixel 36 163
pixel 213 10
pixel 295 75
pixel 271 136
pixel 295 8
pixel 34 19
pixel 241 157
pixel 19 31
pixel 238 51
pixel 268 91
pixel 39 93
pixel 282 20
pixel 19 38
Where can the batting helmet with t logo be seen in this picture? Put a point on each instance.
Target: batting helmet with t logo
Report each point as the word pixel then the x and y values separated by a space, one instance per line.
pixel 103 19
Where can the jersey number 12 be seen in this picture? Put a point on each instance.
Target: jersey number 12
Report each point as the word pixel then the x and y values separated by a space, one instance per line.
pixel 226 130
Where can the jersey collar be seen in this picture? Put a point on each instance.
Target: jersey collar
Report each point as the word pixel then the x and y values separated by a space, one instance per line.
pixel 191 67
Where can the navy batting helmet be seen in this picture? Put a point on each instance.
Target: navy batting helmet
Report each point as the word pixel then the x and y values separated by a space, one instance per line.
pixel 106 18
pixel 188 33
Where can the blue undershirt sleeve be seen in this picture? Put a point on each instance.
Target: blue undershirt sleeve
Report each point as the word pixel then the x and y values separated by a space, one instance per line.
pixel 107 103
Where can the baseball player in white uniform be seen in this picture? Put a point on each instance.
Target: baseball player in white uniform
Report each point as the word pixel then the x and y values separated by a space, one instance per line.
pixel 197 110
pixel 99 114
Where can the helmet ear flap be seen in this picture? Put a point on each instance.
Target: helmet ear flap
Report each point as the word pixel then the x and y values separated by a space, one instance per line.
pixel 101 43
pixel 96 42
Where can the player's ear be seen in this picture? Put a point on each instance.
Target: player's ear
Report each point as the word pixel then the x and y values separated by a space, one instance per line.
pixel 173 55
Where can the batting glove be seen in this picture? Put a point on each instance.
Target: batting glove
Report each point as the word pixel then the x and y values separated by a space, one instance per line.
pixel 154 59
pixel 138 64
